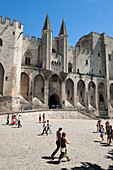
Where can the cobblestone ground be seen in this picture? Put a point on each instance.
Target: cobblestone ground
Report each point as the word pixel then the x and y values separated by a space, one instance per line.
pixel 24 148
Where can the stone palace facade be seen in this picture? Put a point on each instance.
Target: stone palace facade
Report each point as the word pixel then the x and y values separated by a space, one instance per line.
pixel 46 73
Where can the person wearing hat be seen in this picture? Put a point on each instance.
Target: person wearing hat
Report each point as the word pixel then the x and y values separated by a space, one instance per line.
pixel 58 141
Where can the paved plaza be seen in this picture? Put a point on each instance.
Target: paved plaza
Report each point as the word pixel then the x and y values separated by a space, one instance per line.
pixel 25 149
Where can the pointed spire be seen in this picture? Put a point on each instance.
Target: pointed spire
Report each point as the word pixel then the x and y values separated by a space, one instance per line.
pixel 63 28
pixel 47 25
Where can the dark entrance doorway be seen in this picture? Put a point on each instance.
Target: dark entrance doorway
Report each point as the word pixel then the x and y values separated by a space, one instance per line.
pixel 54 102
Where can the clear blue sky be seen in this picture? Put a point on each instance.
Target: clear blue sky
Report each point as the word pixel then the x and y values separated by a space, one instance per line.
pixel 81 16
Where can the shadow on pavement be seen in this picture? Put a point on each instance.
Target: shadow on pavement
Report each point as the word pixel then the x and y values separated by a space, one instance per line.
pixel 110 155
pixel 49 157
pixel 88 166
pixel 96 141
pixel 53 162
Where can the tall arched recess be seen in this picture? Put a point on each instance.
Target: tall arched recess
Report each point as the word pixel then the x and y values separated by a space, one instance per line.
pixel 111 94
pixel 1 78
pixel 101 97
pixel 55 92
pixel 81 92
pixel 24 90
pixel 91 93
pixel 39 88
pixel 70 91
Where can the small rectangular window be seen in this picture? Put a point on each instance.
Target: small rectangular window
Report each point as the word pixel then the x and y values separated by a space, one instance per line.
pixel 92 70
pixel 86 62
pixel 77 70
pixel 109 57
pixel 98 54
pixel 42 90
pixel 100 71
pixel 13 33
pixel 81 93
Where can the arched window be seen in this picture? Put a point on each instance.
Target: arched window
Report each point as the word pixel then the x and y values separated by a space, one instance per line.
pixel 28 56
pixel 1 43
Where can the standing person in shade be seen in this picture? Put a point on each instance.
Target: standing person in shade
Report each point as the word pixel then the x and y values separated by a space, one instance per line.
pixel 102 132
pixel 48 126
pixel 58 141
pixel 44 117
pixel 98 125
pixel 19 121
pixel 39 117
pixel 7 123
pixel 44 128
pixel 63 148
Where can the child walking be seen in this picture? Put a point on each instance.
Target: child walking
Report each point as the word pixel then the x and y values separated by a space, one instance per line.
pixel 102 132
pixel 48 126
pixel 44 128
pixel 63 148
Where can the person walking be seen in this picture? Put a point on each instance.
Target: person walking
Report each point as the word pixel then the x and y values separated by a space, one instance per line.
pixel 48 126
pixel 19 121
pixel 63 148
pixel 7 123
pixel 58 141
pixel 44 128
pixel 44 117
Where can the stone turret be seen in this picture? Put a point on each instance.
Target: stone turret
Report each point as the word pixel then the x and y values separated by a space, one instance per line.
pixel 46 44
pixel 11 54
pixel 63 45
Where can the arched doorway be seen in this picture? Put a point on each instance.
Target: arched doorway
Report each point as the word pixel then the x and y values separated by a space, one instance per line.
pixel 1 78
pixel 54 102
pixel 55 90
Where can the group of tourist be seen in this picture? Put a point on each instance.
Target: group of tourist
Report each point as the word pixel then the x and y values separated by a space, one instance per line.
pixel 105 131
pixel 61 139
pixel 46 125
pixel 15 120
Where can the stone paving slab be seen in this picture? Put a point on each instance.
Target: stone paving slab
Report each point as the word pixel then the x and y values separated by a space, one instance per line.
pixel 24 148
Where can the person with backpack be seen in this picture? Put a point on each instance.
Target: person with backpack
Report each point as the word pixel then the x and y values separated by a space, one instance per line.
pixel 63 148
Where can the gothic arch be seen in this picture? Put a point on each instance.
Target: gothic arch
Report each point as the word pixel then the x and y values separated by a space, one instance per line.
pixel 55 85
pixel 24 90
pixel 81 91
pixel 39 87
pixel 70 91
pixel 91 93
pixel 1 78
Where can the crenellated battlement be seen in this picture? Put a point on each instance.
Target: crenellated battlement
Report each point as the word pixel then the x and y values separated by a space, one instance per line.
pixel 32 39
pixel 83 51
pixel 8 22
